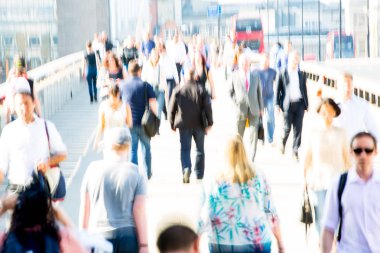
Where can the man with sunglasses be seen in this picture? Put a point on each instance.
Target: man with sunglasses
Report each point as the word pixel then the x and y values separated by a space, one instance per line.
pixel 360 216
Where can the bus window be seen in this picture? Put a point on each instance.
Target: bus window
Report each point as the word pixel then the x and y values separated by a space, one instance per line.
pixel 248 25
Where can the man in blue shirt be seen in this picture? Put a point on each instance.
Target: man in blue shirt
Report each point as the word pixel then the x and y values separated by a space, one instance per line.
pixel 267 78
pixel 147 45
pixel 133 93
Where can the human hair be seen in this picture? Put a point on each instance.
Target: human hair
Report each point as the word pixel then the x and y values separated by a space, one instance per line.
pixel 348 75
pixel 239 169
pixel 89 44
pixel 133 67
pixel 106 62
pixel 361 135
pixel 175 238
pixel 114 89
pixel 330 102
pixel 34 211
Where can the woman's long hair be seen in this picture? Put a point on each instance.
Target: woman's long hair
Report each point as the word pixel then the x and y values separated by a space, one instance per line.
pixel 34 213
pixel 239 169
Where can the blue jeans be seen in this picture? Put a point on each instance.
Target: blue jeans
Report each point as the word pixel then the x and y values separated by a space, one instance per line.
pixel 185 136
pixel 318 209
pixel 91 81
pixel 160 98
pixel 269 120
pixel 138 135
pixel 124 240
pixel 250 248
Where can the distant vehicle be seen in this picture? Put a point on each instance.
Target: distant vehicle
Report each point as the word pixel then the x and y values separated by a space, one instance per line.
pixel 332 46
pixel 249 30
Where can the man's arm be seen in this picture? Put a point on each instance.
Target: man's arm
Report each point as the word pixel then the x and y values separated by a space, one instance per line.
pixel 139 214
pixel 173 106
pixel 259 94
pixel 327 240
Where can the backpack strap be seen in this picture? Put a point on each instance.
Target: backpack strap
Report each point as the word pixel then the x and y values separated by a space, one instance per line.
pixel 342 184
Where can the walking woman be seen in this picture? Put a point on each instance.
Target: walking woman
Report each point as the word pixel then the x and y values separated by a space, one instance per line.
pixel 326 156
pixel 34 226
pixel 112 113
pixel 91 67
pixel 114 68
pixel 203 73
pixel 238 213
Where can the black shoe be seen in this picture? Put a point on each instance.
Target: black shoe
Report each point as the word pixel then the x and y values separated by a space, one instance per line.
pixel 186 176
pixel 295 157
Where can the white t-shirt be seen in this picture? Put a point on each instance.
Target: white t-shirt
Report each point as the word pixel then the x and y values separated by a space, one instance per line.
pixel 22 146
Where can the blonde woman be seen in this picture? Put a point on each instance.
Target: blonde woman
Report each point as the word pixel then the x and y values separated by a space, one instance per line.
pixel 112 113
pixel 326 156
pixel 238 212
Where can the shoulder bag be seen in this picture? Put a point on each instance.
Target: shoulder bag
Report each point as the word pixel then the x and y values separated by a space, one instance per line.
pixel 53 180
pixel 150 122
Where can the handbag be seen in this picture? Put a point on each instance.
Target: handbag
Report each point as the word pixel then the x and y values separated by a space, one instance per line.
pixel 260 131
pixel 150 122
pixel 53 180
pixel 306 211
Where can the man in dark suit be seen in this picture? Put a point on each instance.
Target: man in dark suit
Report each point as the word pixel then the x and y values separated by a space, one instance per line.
pixel 245 92
pixel 291 98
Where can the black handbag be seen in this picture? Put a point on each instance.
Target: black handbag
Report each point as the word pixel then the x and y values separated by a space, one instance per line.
pixel 260 131
pixel 150 122
pixel 306 212
pixel 204 119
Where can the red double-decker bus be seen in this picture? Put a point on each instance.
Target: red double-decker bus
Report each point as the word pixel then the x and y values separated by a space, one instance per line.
pixel 249 30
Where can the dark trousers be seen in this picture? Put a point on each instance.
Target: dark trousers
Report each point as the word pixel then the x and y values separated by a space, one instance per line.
pixel 91 81
pixel 124 240
pixel 186 135
pixel 251 248
pixel 179 68
pixel 294 118
pixel 171 85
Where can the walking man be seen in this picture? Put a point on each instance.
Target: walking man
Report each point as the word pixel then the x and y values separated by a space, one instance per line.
pixel 356 114
pixel 245 92
pixel 291 98
pixel 267 78
pixel 113 197
pixel 359 219
pixel 137 94
pixel 188 103
pixel 24 144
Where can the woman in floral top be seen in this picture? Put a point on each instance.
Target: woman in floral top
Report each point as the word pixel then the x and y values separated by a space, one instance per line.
pixel 238 213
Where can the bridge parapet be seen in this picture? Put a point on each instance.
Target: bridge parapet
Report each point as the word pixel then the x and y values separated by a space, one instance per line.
pixel 55 82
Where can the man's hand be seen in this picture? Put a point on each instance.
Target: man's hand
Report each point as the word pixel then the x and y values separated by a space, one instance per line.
pixel 278 109
pixel 43 167
pixel 207 129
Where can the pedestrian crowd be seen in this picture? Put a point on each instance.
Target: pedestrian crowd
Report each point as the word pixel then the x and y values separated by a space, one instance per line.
pixel 173 80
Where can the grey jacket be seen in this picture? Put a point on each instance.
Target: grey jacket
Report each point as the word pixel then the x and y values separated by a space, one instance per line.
pixel 246 101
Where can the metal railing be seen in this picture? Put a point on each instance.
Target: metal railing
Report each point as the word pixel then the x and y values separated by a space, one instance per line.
pixel 55 82
pixel 365 76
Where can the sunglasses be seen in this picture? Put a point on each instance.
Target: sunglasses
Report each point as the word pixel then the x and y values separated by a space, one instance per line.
pixel 358 151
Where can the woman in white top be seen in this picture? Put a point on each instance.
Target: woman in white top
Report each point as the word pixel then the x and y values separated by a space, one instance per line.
pixel 151 73
pixel 326 155
pixel 112 113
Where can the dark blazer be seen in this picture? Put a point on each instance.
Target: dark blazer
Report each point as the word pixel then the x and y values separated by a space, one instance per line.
pixel 186 104
pixel 282 97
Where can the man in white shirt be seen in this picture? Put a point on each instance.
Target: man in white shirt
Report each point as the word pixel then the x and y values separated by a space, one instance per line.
pixel 360 216
pixel 24 144
pixel 177 52
pixel 356 114
pixel 291 98
pixel 169 74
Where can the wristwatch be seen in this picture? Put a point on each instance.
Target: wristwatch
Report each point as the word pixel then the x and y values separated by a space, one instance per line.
pixel 143 245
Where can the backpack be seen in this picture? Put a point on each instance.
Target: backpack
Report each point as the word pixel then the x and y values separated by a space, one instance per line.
pixel 341 185
pixel 13 245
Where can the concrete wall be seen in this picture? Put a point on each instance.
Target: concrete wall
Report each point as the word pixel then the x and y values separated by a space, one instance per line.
pixel 77 22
